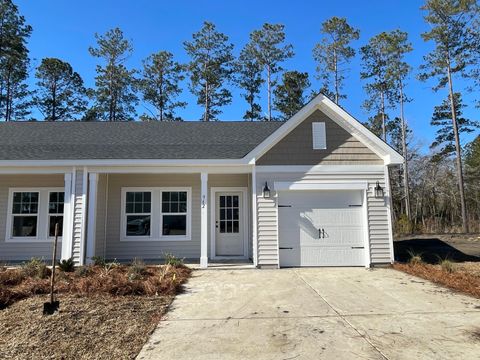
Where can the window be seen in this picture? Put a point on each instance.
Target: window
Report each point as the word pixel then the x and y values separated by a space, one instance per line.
pixel 174 213
pixel 138 207
pixel 55 212
pixel 229 214
pixel 319 136
pixel 25 214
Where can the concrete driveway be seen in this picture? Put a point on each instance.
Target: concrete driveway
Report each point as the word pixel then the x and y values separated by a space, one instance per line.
pixel 326 313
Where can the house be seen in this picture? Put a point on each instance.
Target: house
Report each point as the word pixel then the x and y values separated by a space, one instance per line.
pixel 311 191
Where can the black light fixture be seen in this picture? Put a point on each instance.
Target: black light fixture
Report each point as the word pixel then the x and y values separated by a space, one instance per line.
pixel 266 191
pixel 378 191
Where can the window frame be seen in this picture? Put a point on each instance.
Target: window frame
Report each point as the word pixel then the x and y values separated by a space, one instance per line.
pixel 42 215
pixel 319 127
pixel 54 214
pixel 156 215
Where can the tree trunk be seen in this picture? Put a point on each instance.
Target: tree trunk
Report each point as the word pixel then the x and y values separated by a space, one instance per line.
pixel 384 130
pixel 54 103
pixel 458 150
pixel 405 154
pixel 206 115
pixel 269 85
pixel 335 60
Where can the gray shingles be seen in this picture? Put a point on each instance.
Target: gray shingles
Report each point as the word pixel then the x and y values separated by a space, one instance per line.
pixel 131 140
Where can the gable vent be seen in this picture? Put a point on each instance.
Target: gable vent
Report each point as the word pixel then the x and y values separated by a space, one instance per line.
pixel 319 136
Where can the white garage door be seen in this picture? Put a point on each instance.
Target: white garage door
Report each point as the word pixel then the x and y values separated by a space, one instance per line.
pixel 321 228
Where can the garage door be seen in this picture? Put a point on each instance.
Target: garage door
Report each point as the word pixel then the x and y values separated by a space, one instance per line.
pixel 321 228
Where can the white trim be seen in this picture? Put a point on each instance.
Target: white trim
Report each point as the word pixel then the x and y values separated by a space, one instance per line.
pixel 254 218
pixel 320 185
pixel 183 169
pixel 213 216
pixel 317 169
pixel 388 204
pixel 124 162
pixel 204 220
pixel 81 260
pixel 368 259
pixel 66 252
pixel 156 215
pixel 42 215
pixel 92 216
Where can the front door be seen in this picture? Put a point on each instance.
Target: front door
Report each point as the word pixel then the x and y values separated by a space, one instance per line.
pixel 229 224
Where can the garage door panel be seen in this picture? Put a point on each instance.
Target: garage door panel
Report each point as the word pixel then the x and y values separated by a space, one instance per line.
pixel 302 217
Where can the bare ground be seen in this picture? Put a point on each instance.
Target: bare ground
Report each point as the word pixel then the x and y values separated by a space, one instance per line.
pixel 86 327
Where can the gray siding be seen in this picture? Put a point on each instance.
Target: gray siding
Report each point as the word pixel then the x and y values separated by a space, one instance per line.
pixel 14 251
pixel 267 215
pixel 100 215
pixel 296 148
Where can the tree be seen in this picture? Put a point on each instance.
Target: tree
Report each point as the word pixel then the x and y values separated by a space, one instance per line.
pixel 472 175
pixel 290 94
pixel 160 84
pixel 61 94
pixel 211 68
pixel 250 80
pixel 333 54
pixel 450 22
pixel 14 62
pixel 115 85
pixel 375 57
pixel 442 118
pixel 268 48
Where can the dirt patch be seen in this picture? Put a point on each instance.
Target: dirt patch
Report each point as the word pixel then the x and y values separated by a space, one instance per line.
pixel 86 327
pixel 462 279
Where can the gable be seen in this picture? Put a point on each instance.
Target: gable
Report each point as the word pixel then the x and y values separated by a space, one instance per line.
pixel 296 148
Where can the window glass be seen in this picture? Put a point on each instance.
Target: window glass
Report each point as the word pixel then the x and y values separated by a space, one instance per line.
pixel 138 206
pixel 55 211
pixel 24 226
pixel 174 213
pixel 229 213
pixel 25 203
pixel 174 225
pixel 24 211
pixel 138 225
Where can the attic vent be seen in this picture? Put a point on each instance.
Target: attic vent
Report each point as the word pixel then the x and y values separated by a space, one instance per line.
pixel 319 136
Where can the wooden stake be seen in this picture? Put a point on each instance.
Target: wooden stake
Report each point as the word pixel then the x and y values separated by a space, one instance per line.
pixel 52 277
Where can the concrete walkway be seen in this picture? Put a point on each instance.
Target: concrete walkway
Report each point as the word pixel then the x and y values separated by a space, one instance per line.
pixel 329 313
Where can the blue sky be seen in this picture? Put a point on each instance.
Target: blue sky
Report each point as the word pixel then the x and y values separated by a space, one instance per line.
pixel 65 29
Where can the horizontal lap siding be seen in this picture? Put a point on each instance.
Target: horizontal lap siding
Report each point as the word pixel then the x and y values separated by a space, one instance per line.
pixel 100 215
pixel 23 251
pixel 151 250
pixel 78 216
pixel 267 214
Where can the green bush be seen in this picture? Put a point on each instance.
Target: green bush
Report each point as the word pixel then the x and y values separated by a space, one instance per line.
pixel 136 270
pixel 83 271
pixel 35 267
pixel 66 265
pixel 415 258
pixel 98 261
pixel 171 259
pixel 447 266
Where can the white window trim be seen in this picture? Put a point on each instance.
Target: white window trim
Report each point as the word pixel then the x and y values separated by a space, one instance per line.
pixel 156 215
pixel 319 129
pixel 42 215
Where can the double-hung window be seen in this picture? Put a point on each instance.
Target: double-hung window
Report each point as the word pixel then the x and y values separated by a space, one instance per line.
pixel 174 213
pixel 25 214
pixel 138 209
pixel 55 212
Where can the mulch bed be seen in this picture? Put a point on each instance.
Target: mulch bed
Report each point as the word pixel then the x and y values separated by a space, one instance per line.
pixel 106 312
pixel 463 279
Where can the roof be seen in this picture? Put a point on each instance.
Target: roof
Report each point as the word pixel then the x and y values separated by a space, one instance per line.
pixel 131 140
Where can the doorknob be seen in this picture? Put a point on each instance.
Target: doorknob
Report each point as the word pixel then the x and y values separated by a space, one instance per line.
pixel 323 233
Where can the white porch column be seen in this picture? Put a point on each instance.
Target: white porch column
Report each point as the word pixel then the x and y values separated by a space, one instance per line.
pixel 204 220
pixel 254 217
pixel 92 215
pixel 66 252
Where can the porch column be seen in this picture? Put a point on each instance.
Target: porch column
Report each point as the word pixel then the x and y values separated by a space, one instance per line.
pixel 204 220
pixel 254 217
pixel 66 252
pixel 92 215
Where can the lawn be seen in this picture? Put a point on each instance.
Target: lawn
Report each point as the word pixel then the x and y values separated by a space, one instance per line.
pixel 106 310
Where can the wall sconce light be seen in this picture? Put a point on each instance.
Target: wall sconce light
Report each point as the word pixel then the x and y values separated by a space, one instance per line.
pixel 266 191
pixel 378 191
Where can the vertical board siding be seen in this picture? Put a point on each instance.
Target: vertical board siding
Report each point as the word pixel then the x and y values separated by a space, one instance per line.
pixel 267 214
pixel 78 216
pixel 17 251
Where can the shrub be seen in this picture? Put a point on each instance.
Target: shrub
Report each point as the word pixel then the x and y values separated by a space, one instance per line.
pixel 66 265
pixel 136 270
pixel 415 258
pixel 83 271
pixel 35 267
pixel 98 261
pixel 447 266
pixel 172 260
pixel 11 277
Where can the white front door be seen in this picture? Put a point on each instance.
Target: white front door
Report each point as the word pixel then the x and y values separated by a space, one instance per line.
pixel 229 236
pixel 321 228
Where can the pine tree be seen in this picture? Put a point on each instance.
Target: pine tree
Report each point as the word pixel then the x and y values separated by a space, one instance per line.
pixel 211 68
pixel 250 80
pixel 269 49
pixel 115 97
pixel 290 93
pixel 160 84
pixel 451 30
pixel 61 94
pixel 333 54
pixel 14 61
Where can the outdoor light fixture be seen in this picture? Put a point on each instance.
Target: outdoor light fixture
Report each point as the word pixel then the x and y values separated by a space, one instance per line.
pixel 378 191
pixel 266 191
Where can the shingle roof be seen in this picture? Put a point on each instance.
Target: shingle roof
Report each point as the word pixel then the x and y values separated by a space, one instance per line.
pixel 131 140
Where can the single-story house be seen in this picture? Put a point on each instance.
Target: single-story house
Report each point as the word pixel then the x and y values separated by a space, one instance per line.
pixel 311 191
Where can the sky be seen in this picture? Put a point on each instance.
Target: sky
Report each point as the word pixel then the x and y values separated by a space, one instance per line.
pixel 66 29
